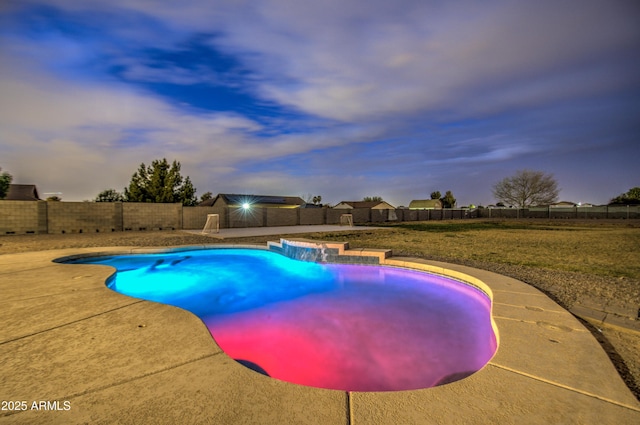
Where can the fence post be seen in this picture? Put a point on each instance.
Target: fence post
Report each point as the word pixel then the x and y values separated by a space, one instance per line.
pixel 120 214
pixel 45 225
pixel 46 216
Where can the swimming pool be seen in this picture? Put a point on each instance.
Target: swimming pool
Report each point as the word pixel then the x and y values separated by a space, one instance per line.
pixel 336 326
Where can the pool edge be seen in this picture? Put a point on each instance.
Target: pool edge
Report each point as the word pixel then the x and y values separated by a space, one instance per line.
pixel 570 380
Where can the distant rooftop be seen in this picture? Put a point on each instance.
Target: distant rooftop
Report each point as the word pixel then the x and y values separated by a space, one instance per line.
pixel 22 192
pixel 365 204
pixel 232 199
pixel 425 204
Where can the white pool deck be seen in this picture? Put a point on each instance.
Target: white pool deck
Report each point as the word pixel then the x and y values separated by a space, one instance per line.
pixel 68 340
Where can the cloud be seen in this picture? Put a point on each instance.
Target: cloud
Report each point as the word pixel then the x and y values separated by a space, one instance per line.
pixel 95 135
pixel 88 133
pixel 344 95
pixel 351 62
pixel 359 60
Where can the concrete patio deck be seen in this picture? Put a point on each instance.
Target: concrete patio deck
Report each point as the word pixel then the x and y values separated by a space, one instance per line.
pixel 75 352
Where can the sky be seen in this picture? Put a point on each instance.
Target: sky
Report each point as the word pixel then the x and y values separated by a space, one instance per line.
pixel 339 98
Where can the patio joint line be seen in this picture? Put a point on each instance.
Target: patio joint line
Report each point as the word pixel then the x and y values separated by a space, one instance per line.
pixel 349 409
pixel 605 324
pixel 57 294
pixel 506 291
pixel 70 323
pixel 29 269
pixel 144 375
pixel 566 387
pixel 531 322
pixel 523 306
pixel 126 381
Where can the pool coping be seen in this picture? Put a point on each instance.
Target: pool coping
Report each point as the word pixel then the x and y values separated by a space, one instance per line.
pixel 112 358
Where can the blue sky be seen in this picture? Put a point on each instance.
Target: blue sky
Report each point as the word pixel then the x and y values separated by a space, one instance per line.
pixel 343 99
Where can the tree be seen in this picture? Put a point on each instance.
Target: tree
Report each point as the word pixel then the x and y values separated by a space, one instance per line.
pixel 162 183
pixel 436 195
pixel 310 199
pixel 448 201
pixel 372 199
pixel 527 188
pixel 109 195
pixel 206 196
pixel 187 193
pixel 5 181
pixel 632 197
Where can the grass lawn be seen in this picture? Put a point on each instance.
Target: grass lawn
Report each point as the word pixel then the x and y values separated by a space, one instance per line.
pixel 597 248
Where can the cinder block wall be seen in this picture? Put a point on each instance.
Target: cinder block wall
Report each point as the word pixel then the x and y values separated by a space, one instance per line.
pixel 379 216
pixel 196 217
pixel 618 212
pixel 428 215
pixel 311 216
pixel 409 215
pixel 150 216
pixel 83 217
pixel 239 217
pixel 360 215
pixel 19 217
pixel 597 212
pixel 282 216
pixel 333 216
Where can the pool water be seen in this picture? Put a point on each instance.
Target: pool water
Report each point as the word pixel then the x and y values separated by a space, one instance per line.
pixel 344 327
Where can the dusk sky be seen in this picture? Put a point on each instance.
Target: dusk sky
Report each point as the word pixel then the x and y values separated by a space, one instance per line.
pixel 343 99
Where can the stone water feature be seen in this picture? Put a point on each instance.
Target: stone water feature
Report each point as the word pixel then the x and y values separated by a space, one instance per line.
pixel 327 252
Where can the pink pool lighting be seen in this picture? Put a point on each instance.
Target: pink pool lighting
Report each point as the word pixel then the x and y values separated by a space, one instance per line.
pixel 335 326
pixel 369 335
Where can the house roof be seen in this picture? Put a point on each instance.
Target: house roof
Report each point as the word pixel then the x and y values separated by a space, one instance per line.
pixel 563 204
pixel 238 199
pixel 364 204
pixel 22 192
pixel 425 204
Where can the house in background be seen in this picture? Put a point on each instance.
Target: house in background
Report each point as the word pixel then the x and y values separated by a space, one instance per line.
pixel 256 201
pixel 374 205
pixel 22 192
pixel 425 204
pixel 563 204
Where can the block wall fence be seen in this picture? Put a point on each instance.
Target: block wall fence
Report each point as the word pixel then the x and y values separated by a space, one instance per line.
pixel 39 217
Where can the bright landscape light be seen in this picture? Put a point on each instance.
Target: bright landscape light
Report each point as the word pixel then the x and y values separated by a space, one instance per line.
pixel 246 206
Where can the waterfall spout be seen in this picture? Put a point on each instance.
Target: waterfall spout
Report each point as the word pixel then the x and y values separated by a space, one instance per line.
pixel 305 251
